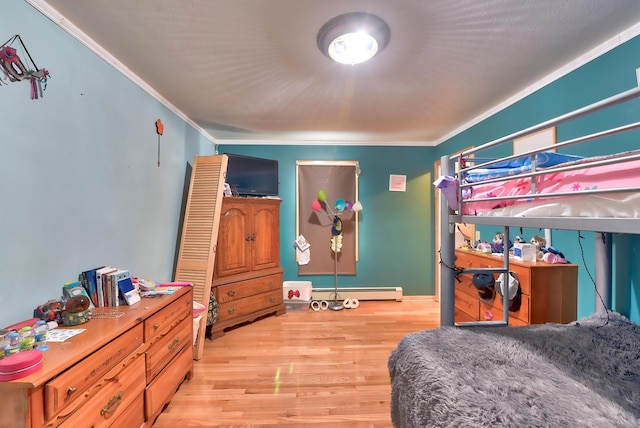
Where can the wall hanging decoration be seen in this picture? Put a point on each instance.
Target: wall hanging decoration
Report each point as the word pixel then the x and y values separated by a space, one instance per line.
pixel 338 178
pixel 15 69
pixel 159 131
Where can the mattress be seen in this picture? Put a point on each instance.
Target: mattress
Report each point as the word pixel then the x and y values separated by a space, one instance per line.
pixel 576 186
pixel 586 373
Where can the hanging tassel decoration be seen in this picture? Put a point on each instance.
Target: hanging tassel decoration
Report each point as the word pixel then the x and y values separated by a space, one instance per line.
pixel 15 70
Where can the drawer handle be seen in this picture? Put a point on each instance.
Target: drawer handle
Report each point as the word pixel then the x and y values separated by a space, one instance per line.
pixel 231 293
pixel 114 401
pixel 71 390
pixel 247 238
pixel 231 311
pixel 175 342
pixel 156 326
pixel 272 299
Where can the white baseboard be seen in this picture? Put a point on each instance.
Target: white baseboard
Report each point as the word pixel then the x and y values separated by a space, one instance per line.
pixel 360 293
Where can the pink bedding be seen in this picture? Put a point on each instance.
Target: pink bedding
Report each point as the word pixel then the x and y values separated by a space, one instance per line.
pixel 621 175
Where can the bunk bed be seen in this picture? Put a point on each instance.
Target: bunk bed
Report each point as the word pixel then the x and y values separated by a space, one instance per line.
pixel 475 374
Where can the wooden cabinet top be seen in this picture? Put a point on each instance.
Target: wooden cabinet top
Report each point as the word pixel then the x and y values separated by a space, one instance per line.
pixel 512 260
pixel 250 200
pixel 100 330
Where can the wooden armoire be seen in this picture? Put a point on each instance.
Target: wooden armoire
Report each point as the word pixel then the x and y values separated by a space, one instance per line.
pixel 247 280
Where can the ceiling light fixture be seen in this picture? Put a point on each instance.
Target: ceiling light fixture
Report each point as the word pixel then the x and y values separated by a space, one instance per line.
pixel 353 38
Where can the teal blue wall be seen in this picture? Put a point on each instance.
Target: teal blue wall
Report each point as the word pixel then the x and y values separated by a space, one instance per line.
pixel 396 233
pixel 80 186
pixel 79 181
pixel 605 76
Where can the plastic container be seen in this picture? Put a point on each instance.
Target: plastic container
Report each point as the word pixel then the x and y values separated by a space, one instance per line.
pixel 76 318
pixel 13 344
pixel 297 305
pixel 40 330
pixel 20 365
pixel 296 290
pixel 198 309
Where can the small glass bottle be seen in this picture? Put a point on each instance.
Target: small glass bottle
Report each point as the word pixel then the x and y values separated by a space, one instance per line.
pixel 26 338
pixel 40 328
pixel 4 341
pixel 14 344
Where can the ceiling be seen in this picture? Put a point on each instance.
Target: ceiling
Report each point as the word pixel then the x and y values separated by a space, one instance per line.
pixel 250 70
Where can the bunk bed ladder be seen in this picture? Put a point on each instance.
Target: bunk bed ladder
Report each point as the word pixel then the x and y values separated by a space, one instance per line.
pixel 448 271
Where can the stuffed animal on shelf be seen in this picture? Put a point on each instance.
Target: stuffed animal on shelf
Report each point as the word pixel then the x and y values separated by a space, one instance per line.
pixel 498 243
pixel 538 241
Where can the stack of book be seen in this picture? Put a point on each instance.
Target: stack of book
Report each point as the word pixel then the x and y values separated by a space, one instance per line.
pixel 109 286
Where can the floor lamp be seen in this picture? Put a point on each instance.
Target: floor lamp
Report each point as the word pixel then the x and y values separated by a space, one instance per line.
pixel 341 206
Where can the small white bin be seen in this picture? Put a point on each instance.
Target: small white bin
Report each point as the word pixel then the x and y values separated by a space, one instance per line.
pixel 297 305
pixel 525 252
pixel 296 290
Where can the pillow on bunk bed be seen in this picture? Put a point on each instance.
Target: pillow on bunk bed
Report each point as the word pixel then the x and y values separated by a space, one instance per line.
pixel 519 165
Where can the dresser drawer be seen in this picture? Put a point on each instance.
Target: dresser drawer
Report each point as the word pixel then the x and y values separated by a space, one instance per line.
pixel 459 316
pixel 133 415
pixel 466 285
pixel 158 392
pixel 246 306
pixel 522 313
pixel 467 303
pixel 165 346
pixel 493 311
pixel 464 260
pixel 119 389
pixel 70 385
pixel 241 290
pixel 523 275
pixel 168 317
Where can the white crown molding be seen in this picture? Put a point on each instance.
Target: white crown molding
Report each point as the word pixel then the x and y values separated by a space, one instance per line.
pixel 599 50
pixel 223 142
pixel 51 13
pixel 58 19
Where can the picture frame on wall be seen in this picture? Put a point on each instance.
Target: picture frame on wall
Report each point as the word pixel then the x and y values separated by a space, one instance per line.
pixel 397 183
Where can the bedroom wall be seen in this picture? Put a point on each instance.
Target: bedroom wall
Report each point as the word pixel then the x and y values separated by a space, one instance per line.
pixel 602 77
pixel 79 181
pixel 395 235
pixel 81 188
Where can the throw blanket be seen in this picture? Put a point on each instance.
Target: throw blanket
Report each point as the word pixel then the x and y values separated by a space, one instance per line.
pixel 584 374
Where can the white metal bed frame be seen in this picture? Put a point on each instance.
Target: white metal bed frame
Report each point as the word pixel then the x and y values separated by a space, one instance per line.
pixel 604 225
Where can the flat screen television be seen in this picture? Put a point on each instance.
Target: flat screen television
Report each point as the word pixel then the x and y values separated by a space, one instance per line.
pixel 250 176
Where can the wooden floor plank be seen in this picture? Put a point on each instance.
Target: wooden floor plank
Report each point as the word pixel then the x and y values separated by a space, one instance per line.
pixel 325 368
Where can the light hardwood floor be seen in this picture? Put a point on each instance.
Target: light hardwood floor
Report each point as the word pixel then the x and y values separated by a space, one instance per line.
pixel 310 368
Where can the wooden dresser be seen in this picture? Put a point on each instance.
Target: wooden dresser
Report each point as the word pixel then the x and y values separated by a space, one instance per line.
pixel 549 291
pixel 247 280
pixel 120 372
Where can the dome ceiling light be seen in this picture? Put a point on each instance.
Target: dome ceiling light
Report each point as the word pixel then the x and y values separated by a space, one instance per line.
pixel 353 38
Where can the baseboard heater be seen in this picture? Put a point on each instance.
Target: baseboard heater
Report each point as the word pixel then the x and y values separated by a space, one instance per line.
pixel 360 293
